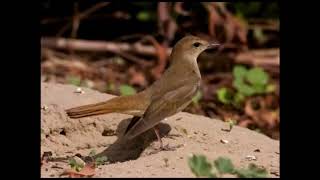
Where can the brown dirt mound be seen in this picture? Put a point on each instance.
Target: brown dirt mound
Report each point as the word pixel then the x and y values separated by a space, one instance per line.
pixel 186 133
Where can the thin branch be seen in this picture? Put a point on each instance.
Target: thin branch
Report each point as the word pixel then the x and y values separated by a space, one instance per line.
pixel 83 15
pixel 99 46
pixel 121 49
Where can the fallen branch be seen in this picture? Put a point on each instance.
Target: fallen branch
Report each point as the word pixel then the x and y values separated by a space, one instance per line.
pixel 264 58
pixel 121 49
pixel 270 57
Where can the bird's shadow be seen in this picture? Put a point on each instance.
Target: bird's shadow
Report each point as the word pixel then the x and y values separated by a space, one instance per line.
pixel 123 149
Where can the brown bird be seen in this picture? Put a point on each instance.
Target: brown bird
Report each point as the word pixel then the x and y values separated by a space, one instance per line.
pixel 167 96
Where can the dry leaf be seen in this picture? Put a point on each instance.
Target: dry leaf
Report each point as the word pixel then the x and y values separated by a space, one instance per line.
pixel 86 171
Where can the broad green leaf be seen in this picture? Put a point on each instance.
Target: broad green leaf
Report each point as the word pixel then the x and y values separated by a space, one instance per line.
pixel 239 72
pixel 126 90
pixel 200 166
pixel 224 95
pixel 259 89
pixel 243 88
pixel 253 171
pixel 197 97
pixel 257 76
pixel 224 165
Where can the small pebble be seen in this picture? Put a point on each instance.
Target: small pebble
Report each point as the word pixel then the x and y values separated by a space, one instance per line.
pixel 224 141
pixel 79 90
pixel 250 158
pixel 44 107
pixel 79 161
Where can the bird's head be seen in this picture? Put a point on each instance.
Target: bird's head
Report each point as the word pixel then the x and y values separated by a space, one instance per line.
pixel 190 47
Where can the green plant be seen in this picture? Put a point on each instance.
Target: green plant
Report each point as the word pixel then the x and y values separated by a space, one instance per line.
pixel 231 123
pixel 126 90
pixel 101 160
pixel 98 160
pixel 75 165
pixel 246 82
pixel 197 98
pixel 200 167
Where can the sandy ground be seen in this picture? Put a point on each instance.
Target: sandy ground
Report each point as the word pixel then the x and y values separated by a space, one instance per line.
pixel 65 137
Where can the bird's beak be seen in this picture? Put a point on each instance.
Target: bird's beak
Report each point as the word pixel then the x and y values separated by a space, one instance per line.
pixel 212 45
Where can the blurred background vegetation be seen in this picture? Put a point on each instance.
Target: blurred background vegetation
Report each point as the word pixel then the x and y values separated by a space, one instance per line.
pixel 121 48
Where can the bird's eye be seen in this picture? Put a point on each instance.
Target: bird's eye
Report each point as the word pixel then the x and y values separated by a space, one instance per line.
pixel 196 44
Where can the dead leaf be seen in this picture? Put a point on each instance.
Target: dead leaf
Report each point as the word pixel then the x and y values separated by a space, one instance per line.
pixel 87 171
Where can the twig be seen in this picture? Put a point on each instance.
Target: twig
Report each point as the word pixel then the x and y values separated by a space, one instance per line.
pixel 260 57
pixel 99 46
pixel 83 15
pixel 121 49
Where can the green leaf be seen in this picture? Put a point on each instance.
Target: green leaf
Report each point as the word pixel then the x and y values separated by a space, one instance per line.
pixel 75 80
pixel 259 89
pixel 224 165
pixel 239 72
pixel 253 171
pixel 224 95
pixel 101 160
pixel 257 76
pixel 197 97
pixel 74 165
pixel 239 98
pixel 231 123
pixel 243 88
pixel 200 166
pixel 126 90
pixel 92 153
pixel 144 16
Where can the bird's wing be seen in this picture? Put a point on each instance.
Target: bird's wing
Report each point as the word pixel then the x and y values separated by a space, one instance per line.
pixel 172 102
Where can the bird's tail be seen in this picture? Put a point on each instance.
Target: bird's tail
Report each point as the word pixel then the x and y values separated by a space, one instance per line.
pixel 133 105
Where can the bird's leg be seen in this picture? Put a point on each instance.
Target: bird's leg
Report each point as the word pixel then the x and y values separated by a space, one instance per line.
pixel 156 130
pixel 166 147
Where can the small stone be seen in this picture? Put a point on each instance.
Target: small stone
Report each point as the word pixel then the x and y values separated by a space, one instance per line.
pixel 79 161
pixel 223 141
pixel 251 158
pixel 44 107
pixel 79 90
